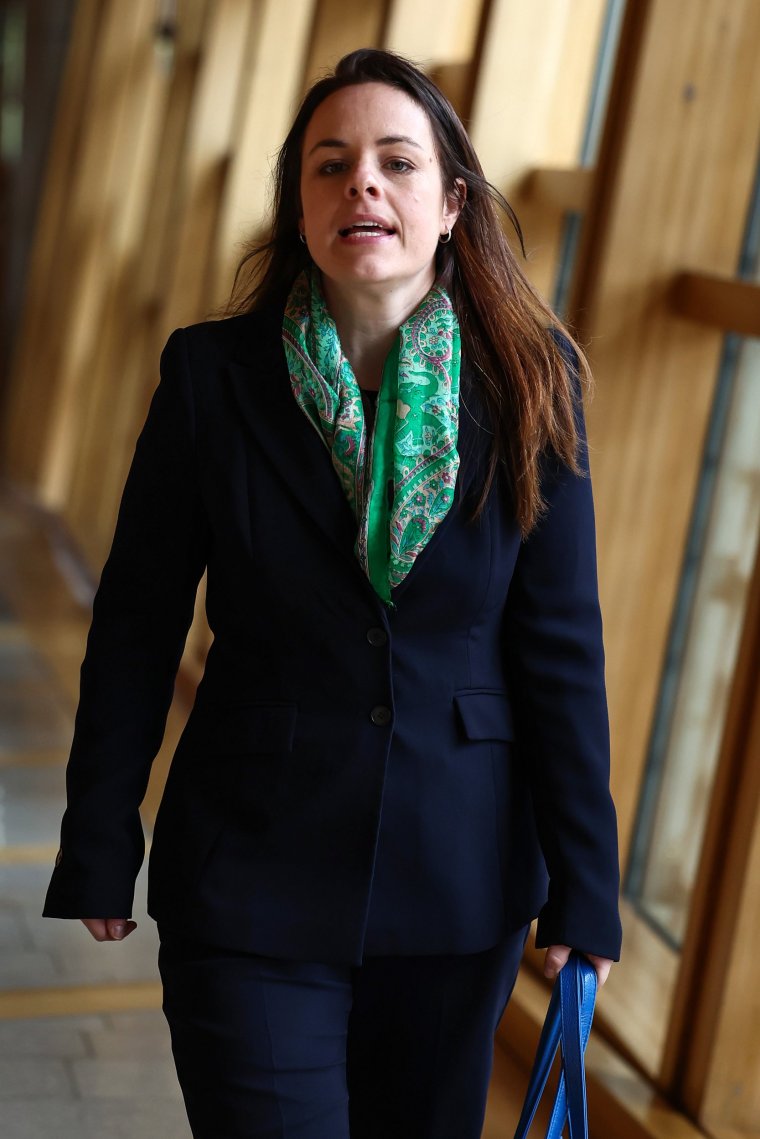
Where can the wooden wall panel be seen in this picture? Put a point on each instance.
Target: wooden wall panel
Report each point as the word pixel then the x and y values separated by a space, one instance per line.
pixel 447 35
pixel 340 28
pixel 133 283
pixel 677 195
pixel 723 1087
pixel 99 217
pixel 275 82
pixel 223 74
pixel 33 375
pixel 714 1047
pixel 530 106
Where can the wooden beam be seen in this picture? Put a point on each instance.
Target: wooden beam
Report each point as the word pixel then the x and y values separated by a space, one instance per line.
pixel 135 254
pixel 79 1000
pixel 530 105
pixel 268 100
pixel 613 150
pixel 212 139
pixel 663 198
pixel 124 84
pixel 339 28
pixel 430 36
pixel 28 408
pixel 714 1053
pixel 559 188
pixel 675 173
pixel 723 302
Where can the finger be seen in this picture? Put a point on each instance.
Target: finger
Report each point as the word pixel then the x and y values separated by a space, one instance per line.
pixel 119 928
pixel 602 966
pixel 97 927
pixel 109 929
pixel 555 960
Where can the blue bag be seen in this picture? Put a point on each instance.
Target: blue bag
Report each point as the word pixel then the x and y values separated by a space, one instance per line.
pixel 567 1026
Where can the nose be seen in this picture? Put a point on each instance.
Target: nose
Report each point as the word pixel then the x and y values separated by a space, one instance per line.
pixel 359 189
pixel 362 182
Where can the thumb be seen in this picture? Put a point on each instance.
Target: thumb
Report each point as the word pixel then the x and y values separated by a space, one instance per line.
pixel 119 928
pixel 555 960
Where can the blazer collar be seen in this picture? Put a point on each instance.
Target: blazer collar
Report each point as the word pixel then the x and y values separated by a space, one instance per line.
pixel 260 382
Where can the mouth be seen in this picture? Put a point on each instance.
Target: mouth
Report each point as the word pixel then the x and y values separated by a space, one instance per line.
pixel 367 229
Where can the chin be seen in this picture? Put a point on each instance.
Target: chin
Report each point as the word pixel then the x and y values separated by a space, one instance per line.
pixel 379 275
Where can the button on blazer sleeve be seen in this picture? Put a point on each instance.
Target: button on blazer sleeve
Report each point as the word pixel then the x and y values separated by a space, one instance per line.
pixel 555 657
pixel 141 615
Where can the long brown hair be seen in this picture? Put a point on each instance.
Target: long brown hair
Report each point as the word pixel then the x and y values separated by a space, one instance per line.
pixel 526 380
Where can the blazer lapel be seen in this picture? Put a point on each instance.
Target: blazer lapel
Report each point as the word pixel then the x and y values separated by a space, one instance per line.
pixel 288 440
pixel 469 446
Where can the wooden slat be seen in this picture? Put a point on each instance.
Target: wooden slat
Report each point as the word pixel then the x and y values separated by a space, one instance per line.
pixel 166 275
pixel 28 853
pixel 98 209
pixel 267 104
pixel 722 302
pixel 139 314
pixel 656 372
pixel 672 190
pixel 446 34
pixel 145 175
pixel 554 188
pixel 33 374
pixel 339 28
pixel 530 104
pixel 80 1000
pixel 223 76
pixel 714 1054
pixel 614 148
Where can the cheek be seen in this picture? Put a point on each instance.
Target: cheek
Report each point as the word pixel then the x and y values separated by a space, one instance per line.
pixel 313 201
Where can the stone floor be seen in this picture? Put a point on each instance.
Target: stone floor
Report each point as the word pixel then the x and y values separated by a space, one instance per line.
pixel 84 1049
pixel 104 1071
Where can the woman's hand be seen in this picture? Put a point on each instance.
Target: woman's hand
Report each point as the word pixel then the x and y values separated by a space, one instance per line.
pixel 556 958
pixel 109 929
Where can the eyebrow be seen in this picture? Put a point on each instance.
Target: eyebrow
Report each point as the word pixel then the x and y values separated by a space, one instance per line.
pixel 386 140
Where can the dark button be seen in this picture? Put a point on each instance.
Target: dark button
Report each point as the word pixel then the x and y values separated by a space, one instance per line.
pixel 381 715
pixel 377 637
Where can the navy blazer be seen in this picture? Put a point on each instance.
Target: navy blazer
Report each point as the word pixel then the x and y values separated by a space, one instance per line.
pixel 353 778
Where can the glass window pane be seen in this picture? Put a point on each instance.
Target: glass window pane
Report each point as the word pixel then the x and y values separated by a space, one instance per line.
pixel 705 635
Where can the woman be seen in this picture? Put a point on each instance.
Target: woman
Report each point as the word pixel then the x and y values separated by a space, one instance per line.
pixel 398 754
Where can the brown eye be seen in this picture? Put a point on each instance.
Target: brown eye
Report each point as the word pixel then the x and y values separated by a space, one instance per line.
pixel 335 167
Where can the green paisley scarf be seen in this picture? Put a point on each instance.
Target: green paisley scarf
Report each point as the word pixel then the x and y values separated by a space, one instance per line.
pixel 400 482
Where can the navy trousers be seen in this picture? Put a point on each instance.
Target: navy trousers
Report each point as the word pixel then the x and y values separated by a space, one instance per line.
pixel 397 1048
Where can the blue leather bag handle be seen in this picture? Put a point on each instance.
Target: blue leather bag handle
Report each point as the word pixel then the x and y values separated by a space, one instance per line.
pixel 567 1026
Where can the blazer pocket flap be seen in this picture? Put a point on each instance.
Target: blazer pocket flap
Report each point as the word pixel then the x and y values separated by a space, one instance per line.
pixel 485 715
pixel 256 728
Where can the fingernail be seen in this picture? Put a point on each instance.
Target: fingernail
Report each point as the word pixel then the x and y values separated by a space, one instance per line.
pixel 117 931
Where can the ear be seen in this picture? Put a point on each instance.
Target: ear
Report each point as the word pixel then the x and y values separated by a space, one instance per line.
pixel 453 202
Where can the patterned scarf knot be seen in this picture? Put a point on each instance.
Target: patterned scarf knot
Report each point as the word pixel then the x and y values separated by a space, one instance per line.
pixel 400 482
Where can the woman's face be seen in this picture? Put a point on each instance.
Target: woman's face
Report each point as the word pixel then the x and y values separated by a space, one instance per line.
pixel 372 199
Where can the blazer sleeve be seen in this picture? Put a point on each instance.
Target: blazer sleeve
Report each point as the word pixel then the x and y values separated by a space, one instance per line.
pixel 141 614
pixel 555 659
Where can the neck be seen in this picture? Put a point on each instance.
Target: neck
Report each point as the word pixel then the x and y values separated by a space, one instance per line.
pixel 368 324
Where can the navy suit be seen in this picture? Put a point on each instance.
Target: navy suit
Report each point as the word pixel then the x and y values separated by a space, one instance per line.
pixel 352 779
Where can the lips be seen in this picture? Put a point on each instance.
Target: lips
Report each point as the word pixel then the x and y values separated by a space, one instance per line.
pixel 367 227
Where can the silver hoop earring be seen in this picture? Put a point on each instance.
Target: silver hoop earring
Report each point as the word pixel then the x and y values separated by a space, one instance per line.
pixel 302 237
pixel 444 239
